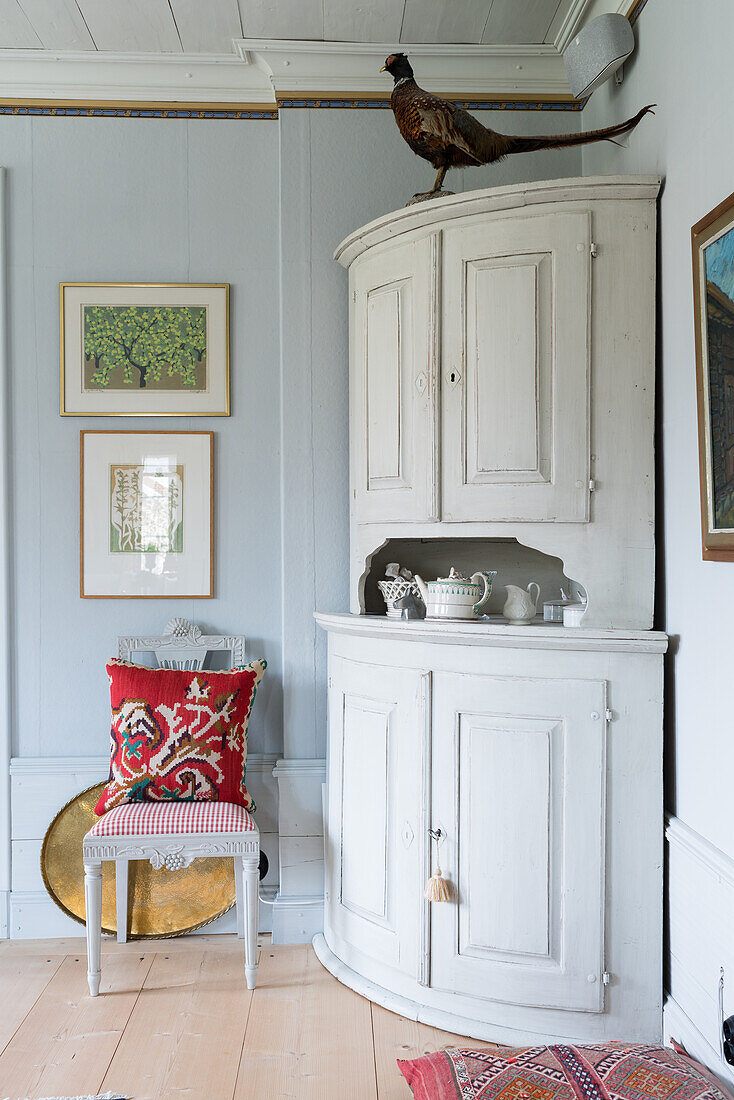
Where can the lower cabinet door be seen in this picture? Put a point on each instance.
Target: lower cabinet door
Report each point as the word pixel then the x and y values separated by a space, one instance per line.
pixel 374 867
pixel 518 784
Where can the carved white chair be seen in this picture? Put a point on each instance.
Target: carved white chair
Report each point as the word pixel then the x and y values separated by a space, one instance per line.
pixel 172 835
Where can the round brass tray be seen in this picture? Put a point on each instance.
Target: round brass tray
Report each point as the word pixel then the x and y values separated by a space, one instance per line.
pixel 161 903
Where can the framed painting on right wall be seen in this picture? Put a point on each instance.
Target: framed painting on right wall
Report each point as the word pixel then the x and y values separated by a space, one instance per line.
pixel 713 305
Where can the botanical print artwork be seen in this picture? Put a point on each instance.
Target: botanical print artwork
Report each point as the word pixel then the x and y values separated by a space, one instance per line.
pixel 139 489
pixel 145 347
pixel 146 509
pixel 719 275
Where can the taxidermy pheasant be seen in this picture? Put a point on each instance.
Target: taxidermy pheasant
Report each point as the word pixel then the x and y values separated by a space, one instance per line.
pixel 449 137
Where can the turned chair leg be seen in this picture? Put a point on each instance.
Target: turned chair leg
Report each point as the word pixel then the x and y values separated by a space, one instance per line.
pixel 251 875
pixel 93 904
pixel 239 893
pixel 121 899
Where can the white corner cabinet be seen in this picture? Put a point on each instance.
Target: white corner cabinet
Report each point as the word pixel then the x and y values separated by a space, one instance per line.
pixel 501 417
pixel 502 363
pixel 537 753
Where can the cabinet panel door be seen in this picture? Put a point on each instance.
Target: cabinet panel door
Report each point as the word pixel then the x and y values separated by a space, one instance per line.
pixel 377 719
pixel 518 787
pixel 393 388
pixel 515 378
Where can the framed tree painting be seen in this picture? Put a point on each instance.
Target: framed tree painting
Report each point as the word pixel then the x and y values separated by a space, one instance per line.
pixel 144 349
pixel 146 515
pixel 713 298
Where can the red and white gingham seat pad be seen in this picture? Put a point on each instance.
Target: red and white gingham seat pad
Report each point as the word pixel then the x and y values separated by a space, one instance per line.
pixel 173 819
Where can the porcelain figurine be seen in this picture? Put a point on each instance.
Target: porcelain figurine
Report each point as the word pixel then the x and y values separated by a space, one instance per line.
pixel 456 596
pixel 520 605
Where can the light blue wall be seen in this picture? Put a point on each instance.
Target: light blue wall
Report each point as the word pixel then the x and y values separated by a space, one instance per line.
pixel 137 200
pixel 261 205
pixel 686 143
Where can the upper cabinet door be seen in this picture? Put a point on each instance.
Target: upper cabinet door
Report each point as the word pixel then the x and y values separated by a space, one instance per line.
pixel 394 382
pixel 515 369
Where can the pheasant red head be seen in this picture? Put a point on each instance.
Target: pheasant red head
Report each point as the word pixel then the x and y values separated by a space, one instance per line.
pixel 398 66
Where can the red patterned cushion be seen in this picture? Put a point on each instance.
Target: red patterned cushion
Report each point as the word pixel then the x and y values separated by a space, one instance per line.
pixel 179 735
pixel 610 1071
pixel 173 819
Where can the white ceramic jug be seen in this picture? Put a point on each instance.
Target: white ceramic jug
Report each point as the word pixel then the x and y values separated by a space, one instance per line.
pixel 520 606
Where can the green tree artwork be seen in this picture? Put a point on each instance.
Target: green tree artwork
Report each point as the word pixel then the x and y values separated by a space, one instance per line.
pixel 153 347
pixel 146 509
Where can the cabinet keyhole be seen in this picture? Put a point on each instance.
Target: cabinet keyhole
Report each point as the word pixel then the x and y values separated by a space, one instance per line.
pixel 452 376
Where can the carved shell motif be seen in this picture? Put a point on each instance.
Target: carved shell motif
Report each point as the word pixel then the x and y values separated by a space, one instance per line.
pixel 182 628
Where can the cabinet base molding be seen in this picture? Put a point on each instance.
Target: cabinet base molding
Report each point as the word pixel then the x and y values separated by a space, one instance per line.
pixel 453 1022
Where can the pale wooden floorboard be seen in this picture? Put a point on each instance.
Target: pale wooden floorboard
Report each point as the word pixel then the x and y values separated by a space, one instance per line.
pixel 189 1020
pixel 270 1062
pixel 336 1039
pixel 174 1019
pixel 22 981
pixel 77 945
pixel 66 1041
pixel 308 1037
pixel 397 1037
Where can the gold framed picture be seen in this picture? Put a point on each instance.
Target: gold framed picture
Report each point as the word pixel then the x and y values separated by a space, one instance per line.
pixel 712 240
pixel 147 515
pixel 144 349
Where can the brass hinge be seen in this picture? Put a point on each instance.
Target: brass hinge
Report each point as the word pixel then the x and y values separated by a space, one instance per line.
pixel 606 977
pixel 592 485
pixel 593 250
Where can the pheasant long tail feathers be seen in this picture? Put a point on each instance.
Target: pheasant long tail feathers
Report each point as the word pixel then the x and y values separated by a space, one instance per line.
pixel 500 145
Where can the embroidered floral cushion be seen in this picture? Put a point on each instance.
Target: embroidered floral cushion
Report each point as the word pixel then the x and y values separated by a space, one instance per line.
pixel 610 1071
pixel 179 736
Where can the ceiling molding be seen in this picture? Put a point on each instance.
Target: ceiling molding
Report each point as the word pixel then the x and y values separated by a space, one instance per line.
pixel 131 77
pixel 263 74
pixel 305 70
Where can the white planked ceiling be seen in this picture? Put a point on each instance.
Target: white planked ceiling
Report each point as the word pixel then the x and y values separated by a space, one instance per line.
pixel 209 26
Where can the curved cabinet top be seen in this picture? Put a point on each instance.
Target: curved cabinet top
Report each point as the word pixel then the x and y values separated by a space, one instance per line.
pixel 511 197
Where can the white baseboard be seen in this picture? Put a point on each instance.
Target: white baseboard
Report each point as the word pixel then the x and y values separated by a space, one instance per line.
pixel 301 831
pixel 676 1025
pixel 700 921
pixel 40 786
pixel 33 916
pixel 297 919
pixel 4 914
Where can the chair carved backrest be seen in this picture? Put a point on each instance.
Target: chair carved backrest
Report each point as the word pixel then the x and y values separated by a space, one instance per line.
pixel 183 646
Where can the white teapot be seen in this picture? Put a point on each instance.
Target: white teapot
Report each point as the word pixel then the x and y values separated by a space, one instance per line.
pixel 456 596
pixel 520 606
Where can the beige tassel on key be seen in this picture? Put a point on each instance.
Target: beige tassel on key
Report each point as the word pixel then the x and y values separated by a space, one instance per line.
pixel 437 888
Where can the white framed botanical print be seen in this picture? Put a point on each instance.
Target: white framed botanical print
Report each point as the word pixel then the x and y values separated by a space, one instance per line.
pixel 144 349
pixel 146 515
